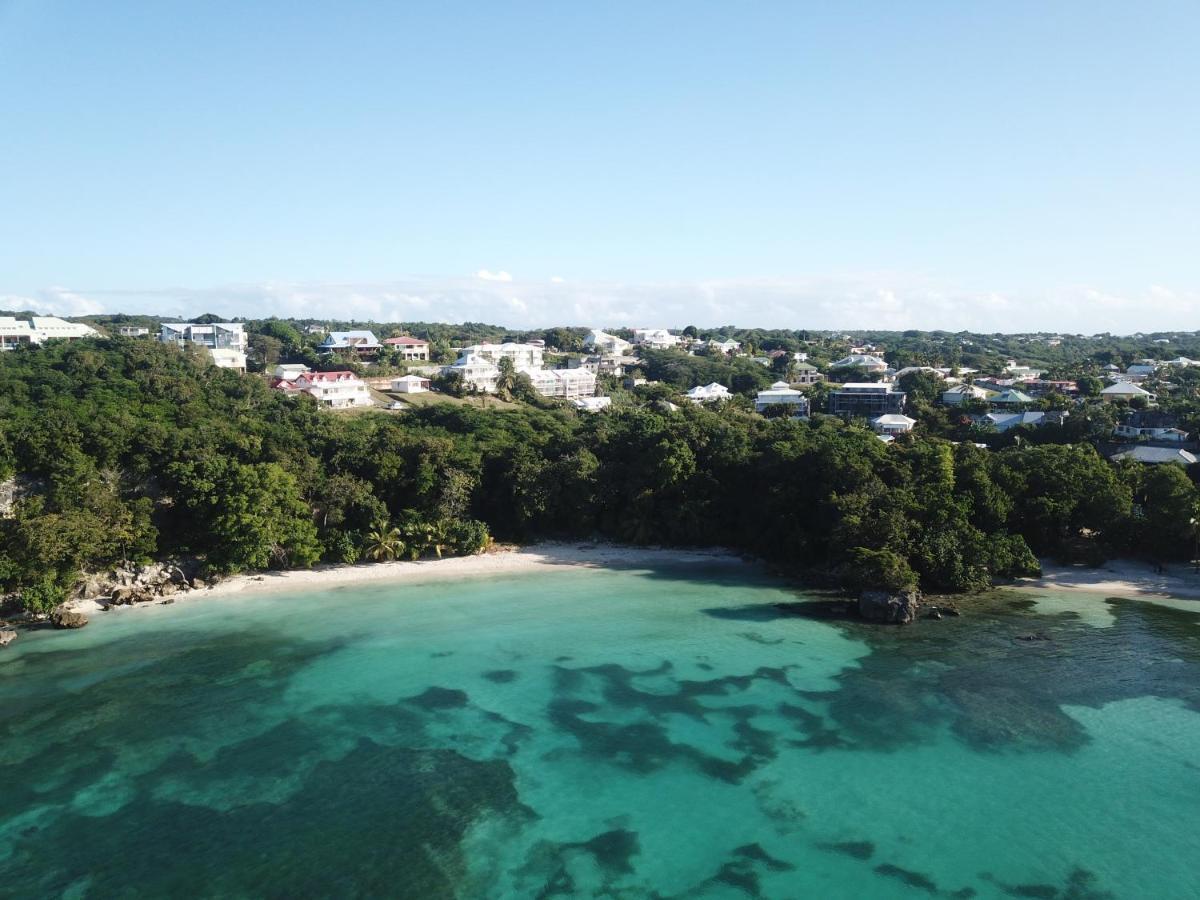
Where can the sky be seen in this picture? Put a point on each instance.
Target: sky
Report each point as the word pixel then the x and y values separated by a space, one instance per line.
pixel 993 166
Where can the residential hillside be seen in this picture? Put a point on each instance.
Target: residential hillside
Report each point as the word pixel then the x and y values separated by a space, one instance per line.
pixel 116 449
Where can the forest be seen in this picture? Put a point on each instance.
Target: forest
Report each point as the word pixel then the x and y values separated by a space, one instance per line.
pixel 118 450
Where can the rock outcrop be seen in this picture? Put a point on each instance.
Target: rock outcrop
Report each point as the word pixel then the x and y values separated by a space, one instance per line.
pixel 898 607
pixel 7 636
pixel 137 584
pixel 63 617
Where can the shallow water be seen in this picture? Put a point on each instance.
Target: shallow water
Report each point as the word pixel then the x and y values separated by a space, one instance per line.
pixel 616 733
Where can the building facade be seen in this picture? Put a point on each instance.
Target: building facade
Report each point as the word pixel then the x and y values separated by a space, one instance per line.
pixel 867 400
pixel 225 341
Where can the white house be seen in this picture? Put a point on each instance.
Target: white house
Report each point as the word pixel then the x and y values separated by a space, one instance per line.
pixel 862 361
pixel 477 372
pixel 39 329
pixel 1182 362
pixel 708 393
pixel 1125 390
pixel 523 356
pixel 410 384
pixel 893 423
pixel 133 331
pixel 605 343
pixel 225 341
pixel 338 390
pixel 566 383
pixel 655 338
pixel 725 346
pixel 782 393
pixel 290 371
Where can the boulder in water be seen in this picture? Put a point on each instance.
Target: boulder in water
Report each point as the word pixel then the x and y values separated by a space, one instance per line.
pixel 62 617
pixel 7 636
pixel 895 607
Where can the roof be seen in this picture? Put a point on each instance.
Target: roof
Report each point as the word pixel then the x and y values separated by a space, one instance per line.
pixel 893 419
pixel 359 338
pixel 1157 455
pixel 1012 396
pixel 1126 387
pixel 340 375
pixel 859 359
pixel 405 341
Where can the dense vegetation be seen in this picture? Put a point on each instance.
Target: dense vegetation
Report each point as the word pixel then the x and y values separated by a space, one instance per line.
pixel 126 450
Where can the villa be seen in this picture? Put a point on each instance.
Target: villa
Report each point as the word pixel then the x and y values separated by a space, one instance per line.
pixel 338 390
pixel 225 341
pixel 477 372
pixel 409 348
pixel 361 342
pixel 1151 426
pixel 893 423
pixel 39 329
pixel 1157 456
pixel 961 393
pixel 782 394
pixel 569 384
pixel 708 393
pixel 866 399
pixel 655 338
pixel 605 343
pixel 523 356
pixel 290 371
pixel 1126 390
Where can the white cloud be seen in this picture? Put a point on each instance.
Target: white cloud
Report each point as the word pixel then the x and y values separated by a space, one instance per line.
pixel 557 280
pixel 878 300
pixel 485 275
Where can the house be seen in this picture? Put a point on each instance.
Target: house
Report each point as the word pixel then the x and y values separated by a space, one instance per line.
pixel 338 390
pixel 592 404
pixel 1182 362
pixel 1003 421
pixel 478 373
pixel 225 341
pixel 605 343
pixel 1042 387
pixel 861 361
pixel 961 393
pixel 892 423
pixel 410 384
pixel 315 329
pixel 655 338
pixel 1157 456
pixel 1011 397
pixel 866 399
pixel 1140 372
pixel 568 384
pixel 1125 390
pixel 725 346
pixel 523 356
pixel 39 329
pixel 708 393
pixel 409 348
pixel 361 342
pixel 290 371
pixel 805 373
pixel 782 394
pixel 133 331
pixel 1150 425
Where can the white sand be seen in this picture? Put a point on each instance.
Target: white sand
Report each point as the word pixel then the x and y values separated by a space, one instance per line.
pixel 1120 578
pixel 501 561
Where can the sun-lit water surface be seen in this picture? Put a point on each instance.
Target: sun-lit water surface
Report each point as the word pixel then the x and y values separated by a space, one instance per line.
pixel 617 733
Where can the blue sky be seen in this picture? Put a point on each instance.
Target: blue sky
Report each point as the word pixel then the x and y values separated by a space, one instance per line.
pixel 999 166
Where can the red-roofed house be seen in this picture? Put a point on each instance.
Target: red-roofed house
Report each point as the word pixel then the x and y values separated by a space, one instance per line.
pixel 409 347
pixel 336 389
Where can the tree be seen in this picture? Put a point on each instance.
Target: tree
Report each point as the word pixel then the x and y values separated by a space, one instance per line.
pixel 384 542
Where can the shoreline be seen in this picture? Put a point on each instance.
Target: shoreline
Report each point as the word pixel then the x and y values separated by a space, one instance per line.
pixel 504 560
pixel 1118 578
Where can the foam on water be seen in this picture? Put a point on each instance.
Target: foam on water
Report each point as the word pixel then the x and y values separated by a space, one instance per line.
pixel 629 733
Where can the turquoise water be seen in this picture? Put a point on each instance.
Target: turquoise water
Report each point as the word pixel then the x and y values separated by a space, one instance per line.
pixel 602 733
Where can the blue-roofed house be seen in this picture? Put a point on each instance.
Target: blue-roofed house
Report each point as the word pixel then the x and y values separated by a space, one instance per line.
pixel 364 343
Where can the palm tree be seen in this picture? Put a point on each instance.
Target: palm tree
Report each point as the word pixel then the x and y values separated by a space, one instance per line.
pixel 506 381
pixel 384 543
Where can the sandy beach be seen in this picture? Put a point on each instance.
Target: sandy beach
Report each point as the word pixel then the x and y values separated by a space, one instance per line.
pixel 1119 578
pixel 503 560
